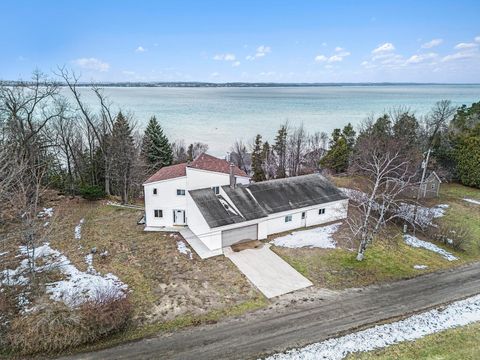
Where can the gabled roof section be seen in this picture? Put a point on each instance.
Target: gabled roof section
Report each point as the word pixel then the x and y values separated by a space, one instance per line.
pixel 168 172
pixel 279 195
pixel 211 163
pixel 215 210
pixel 245 202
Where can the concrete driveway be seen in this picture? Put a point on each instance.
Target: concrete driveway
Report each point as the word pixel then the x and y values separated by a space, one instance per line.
pixel 267 271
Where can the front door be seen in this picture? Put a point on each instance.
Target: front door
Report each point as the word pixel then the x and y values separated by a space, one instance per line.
pixel 179 217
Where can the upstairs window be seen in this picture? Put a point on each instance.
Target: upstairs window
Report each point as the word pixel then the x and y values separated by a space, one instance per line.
pixel 321 211
pixel 155 191
pixel 181 192
pixel 158 213
pixel 216 190
pixel 288 218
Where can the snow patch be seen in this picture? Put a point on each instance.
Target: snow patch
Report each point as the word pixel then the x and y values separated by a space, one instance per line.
pixel 417 243
pixel 78 230
pixel 320 237
pixel 77 286
pixel 457 314
pixel 46 212
pixel 183 249
pixel 420 267
pixel 3 253
pixel 472 201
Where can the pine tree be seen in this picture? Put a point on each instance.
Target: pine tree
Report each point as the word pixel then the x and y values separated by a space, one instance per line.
pixel 257 160
pixel 280 149
pixel 123 151
pixel 156 149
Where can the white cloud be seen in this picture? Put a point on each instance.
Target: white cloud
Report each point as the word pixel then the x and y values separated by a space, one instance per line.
pixel 236 63
pixel 337 57
pixel 461 55
pixel 140 49
pixel 432 43
pixel 224 57
pixel 92 64
pixel 421 58
pixel 321 58
pixel 463 46
pixel 386 47
pixel 262 50
pixel 477 39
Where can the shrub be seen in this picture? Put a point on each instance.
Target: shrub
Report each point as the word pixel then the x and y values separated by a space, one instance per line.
pixel 92 192
pixel 55 327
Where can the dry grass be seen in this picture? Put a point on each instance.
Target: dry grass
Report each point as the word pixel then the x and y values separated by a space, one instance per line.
pixel 164 283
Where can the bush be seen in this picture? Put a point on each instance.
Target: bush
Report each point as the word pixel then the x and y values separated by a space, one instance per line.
pixel 92 192
pixel 55 327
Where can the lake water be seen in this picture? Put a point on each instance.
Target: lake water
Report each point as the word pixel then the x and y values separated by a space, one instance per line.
pixel 218 116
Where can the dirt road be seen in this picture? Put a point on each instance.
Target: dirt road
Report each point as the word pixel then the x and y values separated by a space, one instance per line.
pixel 255 335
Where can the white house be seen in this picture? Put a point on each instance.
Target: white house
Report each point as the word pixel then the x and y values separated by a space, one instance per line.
pixel 221 207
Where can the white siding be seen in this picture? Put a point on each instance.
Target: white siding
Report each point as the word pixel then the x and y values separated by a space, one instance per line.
pixel 200 179
pixel 166 200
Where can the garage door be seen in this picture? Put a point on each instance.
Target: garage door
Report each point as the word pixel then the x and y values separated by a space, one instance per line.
pixel 235 236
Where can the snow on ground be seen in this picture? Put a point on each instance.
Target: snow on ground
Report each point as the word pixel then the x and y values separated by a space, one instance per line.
pixel 472 201
pixel 457 314
pixel 78 229
pixel 417 243
pixel 46 212
pixel 420 267
pixel 320 237
pixel 183 249
pixel 3 253
pixel 424 215
pixel 76 287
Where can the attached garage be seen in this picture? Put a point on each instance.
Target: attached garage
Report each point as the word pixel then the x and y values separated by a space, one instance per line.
pixel 238 235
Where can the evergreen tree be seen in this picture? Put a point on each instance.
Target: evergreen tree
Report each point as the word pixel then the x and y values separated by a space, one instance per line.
pixel 341 147
pixel 257 160
pixel 156 149
pixel 190 153
pixel 123 152
pixel 349 135
pixel 280 149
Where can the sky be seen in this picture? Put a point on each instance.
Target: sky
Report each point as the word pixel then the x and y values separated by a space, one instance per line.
pixel 247 41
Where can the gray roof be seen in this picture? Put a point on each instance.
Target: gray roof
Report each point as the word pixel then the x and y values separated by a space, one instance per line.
pixel 258 200
pixel 293 193
pixel 212 208
pixel 244 202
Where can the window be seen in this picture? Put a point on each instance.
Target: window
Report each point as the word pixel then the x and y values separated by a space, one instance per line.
pixel 288 218
pixel 158 213
pixel 321 211
pixel 216 190
pixel 181 192
pixel 303 215
pixel 433 186
pixel 155 191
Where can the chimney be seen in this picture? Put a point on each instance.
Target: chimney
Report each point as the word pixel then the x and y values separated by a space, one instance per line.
pixel 232 176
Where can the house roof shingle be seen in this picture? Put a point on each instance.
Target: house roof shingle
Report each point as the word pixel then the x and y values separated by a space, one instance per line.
pixel 202 162
pixel 211 163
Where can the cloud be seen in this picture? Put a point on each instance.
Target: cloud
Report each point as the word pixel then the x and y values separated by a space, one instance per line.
pixel 214 74
pixel 92 64
pixel 432 43
pixel 224 57
pixel 421 58
pixel 386 47
pixel 477 39
pixel 461 55
pixel 140 49
pixel 262 50
pixel 128 72
pixel 321 58
pixel 236 63
pixel 463 46
pixel 337 57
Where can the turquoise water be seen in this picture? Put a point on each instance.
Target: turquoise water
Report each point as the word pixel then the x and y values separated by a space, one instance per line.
pixel 218 116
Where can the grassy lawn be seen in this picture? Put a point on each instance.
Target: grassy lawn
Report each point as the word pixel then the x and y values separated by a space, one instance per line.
pixel 461 343
pixel 389 258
